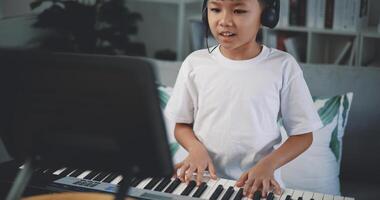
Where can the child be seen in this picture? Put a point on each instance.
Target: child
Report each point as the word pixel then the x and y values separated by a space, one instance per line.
pixel 226 102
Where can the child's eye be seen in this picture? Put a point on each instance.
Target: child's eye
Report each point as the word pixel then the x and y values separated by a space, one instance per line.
pixel 215 10
pixel 239 11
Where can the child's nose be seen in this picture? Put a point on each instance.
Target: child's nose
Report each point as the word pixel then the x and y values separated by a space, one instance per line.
pixel 226 19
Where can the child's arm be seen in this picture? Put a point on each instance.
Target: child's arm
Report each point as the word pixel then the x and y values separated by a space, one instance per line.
pixel 198 159
pixel 261 175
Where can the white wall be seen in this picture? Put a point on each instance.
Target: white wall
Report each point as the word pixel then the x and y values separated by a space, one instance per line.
pixel 159 26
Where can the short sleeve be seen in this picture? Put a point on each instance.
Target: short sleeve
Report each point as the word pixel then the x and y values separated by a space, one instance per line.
pixel 297 108
pixel 182 103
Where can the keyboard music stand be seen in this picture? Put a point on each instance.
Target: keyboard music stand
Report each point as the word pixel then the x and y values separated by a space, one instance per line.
pixel 85 111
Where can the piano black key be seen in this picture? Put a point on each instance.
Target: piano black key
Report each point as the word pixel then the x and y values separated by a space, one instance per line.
pixel 162 184
pixel 300 198
pixel 270 196
pixel 100 176
pixel 39 170
pixel 257 195
pixel 217 192
pixel 189 188
pixel 200 190
pixel 91 175
pixel 239 195
pixel 136 181
pixel 288 197
pixel 110 177
pixel 77 173
pixel 152 183
pixel 228 193
pixel 173 186
pixel 52 170
pixel 66 172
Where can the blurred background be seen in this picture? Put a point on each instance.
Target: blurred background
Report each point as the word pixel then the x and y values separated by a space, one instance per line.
pixel 342 32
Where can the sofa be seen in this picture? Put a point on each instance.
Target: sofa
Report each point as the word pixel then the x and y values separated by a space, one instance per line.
pixel 360 174
pixel 360 164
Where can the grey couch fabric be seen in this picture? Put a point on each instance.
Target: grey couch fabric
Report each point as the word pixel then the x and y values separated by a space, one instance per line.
pixel 360 167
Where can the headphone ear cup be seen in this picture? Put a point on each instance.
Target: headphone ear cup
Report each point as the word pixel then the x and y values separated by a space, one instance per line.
pixel 269 17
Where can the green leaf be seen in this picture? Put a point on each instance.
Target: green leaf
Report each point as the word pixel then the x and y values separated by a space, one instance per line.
pixel 346 104
pixel 335 144
pixel 329 110
pixel 174 146
pixel 164 97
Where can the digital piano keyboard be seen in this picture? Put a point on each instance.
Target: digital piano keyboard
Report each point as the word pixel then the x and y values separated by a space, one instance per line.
pixel 70 179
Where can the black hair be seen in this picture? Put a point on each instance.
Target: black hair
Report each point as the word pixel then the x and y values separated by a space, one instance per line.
pixel 269 16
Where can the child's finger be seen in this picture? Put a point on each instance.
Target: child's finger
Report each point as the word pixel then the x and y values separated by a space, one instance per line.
pixel 276 186
pixel 211 169
pixel 182 171
pixel 189 173
pixel 176 167
pixel 200 172
pixel 247 186
pixel 254 188
pixel 265 190
pixel 240 182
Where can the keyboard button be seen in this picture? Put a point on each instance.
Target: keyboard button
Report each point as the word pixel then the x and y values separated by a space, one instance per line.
pixel 173 186
pixel 201 189
pixel 160 187
pixel 91 175
pixel 239 195
pixel 228 193
pixel 217 192
pixel 190 186
pixel 110 177
pixel 152 183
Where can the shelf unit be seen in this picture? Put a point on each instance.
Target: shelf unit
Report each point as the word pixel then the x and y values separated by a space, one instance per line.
pixel 326 46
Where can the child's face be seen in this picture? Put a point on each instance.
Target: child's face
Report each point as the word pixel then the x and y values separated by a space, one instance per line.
pixel 234 23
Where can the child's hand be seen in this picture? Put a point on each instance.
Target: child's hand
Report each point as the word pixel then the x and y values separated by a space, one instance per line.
pixel 198 161
pixel 258 177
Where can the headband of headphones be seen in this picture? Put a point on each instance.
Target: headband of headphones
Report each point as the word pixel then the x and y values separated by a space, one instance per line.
pixel 269 17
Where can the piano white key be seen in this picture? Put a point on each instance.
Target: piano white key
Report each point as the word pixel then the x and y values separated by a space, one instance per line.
pixel 307 195
pixel 143 183
pixel 180 188
pixel 117 180
pixel 296 194
pixel 276 196
pixel 348 198
pixel 338 198
pixel 193 191
pixel 318 196
pixel 210 185
pixel 58 172
pixel 85 173
pixel 328 197
pixel 285 193
pixel 213 188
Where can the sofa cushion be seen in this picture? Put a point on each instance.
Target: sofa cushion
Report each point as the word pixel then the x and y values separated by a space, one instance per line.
pixel 325 152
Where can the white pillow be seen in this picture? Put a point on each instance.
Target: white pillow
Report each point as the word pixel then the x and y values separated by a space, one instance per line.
pixel 317 169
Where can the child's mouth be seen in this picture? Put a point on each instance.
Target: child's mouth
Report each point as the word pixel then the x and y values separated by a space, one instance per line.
pixel 227 34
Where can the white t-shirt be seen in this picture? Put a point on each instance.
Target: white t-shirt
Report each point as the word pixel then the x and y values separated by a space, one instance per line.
pixel 234 105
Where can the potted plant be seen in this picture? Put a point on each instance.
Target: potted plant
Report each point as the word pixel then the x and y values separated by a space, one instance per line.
pixel 103 27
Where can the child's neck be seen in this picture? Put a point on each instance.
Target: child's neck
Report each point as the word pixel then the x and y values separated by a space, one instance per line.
pixel 243 52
